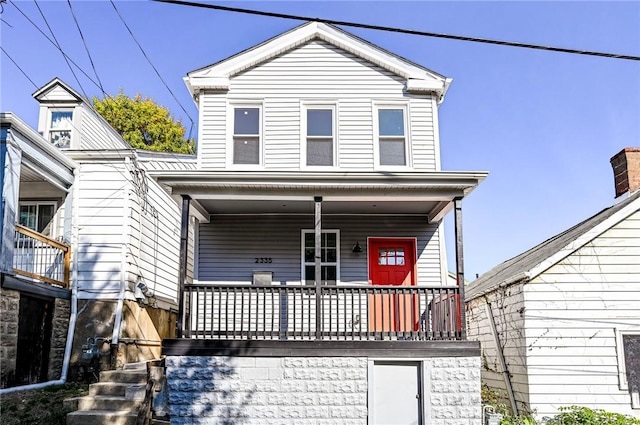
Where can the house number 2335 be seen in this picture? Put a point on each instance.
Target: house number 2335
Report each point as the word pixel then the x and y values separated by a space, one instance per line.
pixel 263 260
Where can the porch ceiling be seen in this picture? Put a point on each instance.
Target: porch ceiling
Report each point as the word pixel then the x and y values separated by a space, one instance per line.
pixel 289 192
pixel 290 206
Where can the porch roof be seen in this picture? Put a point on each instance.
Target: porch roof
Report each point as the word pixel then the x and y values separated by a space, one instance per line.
pixel 425 193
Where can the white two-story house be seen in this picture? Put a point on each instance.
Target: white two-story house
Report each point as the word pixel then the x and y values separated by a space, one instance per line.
pixel 313 224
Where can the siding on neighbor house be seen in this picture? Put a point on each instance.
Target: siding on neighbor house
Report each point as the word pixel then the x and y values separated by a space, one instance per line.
pixel 506 306
pixel 316 72
pixel 100 204
pixel 155 240
pixel 94 133
pixel 107 203
pixel 229 245
pixel 572 312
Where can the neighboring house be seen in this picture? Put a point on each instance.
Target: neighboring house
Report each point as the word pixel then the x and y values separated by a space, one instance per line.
pixel 81 184
pixel 37 181
pixel 560 323
pixel 320 291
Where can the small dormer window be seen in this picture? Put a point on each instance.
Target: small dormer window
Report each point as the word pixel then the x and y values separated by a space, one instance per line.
pixel 60 128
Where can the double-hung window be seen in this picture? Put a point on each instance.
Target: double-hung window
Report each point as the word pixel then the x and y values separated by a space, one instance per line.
pixel 60 128
pixel 246 135
pixel 329 256
pixel 320 136
pixel 392 139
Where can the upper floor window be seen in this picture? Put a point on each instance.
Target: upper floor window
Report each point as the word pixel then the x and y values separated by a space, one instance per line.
pixel 37 216
pixel 246 135
pixel 60 128
pixel 320 137
pixel 392 140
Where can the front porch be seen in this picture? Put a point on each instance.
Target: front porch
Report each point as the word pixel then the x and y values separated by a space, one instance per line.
pixel 325 313
pixel 324 240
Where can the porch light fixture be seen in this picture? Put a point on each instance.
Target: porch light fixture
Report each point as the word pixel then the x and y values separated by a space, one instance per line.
pixel 356 248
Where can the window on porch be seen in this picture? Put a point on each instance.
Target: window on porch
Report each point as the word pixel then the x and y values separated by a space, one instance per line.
pixel 329 252
pixel 37 216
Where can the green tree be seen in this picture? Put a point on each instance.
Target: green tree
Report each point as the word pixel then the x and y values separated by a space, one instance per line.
pixel 144 124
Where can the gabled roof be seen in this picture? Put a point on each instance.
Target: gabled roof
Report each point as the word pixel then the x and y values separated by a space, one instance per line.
pixel 57 90
pixel 216 76
pixel 538 259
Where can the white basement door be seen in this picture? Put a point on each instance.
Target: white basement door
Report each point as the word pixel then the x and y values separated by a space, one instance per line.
pixel 396 394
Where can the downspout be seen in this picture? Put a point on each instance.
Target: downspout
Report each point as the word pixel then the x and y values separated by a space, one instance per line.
pixel 505 371
pixel 74 309
pixel 126 217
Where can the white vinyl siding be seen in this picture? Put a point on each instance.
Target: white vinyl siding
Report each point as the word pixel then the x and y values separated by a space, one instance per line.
pixel 569 316
pixel 155 241
pixel 100 204
pixel 229 246
pixel 317 72
pixel 94 132
pixel 151 224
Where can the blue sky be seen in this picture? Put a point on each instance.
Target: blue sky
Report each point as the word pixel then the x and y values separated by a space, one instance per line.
pixel 543 124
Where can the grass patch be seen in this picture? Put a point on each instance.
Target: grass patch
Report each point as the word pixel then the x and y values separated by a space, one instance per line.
pixel 39 407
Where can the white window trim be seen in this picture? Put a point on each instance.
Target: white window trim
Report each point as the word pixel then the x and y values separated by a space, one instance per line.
pixel 304 106
pixel 54 225
pixel 50 111
pixel 622 370
pixel 404 105
pixel 303 263
pixel 231 107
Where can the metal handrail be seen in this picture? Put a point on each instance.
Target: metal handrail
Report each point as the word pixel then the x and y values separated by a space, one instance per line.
pixel 346 312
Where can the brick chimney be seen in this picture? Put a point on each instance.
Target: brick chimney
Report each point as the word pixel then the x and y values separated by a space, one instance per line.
pixel 626 170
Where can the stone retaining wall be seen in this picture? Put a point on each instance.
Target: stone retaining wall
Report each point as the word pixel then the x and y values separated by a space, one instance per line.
pixel 9 309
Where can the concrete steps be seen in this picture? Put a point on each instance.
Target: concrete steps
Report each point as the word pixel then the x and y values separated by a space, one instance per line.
pixel 114 400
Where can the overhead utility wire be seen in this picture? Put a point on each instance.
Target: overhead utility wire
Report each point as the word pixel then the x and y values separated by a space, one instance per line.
pixel 154 68
pixel 60 48
pixel 18 66
pixel 401 30
pixel 86 48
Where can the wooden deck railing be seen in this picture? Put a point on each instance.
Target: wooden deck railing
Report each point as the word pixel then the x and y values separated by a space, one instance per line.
pixel 346 312
pixel 40 257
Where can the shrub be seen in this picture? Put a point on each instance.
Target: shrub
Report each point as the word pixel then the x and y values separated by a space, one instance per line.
pixel 575 415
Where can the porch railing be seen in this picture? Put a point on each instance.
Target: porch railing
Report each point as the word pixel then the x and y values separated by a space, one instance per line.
pixel 40 257
pixel 345 312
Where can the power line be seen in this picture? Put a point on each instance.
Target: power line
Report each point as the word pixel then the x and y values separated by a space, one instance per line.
pixel 153 66
pixel 18 66
pixel 86 48
pixel 57 47
pixel 401 30
pixel 60 48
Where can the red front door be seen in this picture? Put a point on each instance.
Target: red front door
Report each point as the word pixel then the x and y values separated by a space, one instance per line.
pixel 392 263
